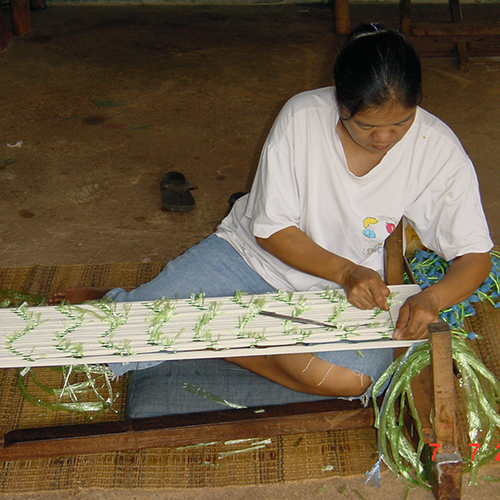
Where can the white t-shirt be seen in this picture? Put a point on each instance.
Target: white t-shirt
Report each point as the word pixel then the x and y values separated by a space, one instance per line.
pixel 303 181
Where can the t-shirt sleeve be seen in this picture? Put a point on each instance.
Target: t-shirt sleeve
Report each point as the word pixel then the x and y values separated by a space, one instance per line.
pixel 448 215
pixel 274 202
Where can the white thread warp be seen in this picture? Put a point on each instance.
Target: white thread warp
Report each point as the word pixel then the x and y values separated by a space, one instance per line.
pixel 192 328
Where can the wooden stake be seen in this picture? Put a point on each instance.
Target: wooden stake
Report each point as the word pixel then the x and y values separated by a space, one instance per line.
pixel 446 466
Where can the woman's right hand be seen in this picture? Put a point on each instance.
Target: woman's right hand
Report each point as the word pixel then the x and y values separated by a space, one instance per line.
pixel 364 287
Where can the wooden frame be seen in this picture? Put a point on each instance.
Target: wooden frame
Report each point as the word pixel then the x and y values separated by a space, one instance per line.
pixel 466 38
pixel 437 38
pixel 446 468
pixel 480 39
pixel 183 430
pixel 296 418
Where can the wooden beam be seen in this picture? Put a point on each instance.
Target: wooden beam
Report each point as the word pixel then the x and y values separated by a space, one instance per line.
pixel 446 46
pixel 434 397
pixel 393 257
pixel 465 39
pixel 443 386
pixel 459 29
pixel 183 430
pixel 21 17
pixel 405 16
pixel 455 10
pixel 421 388
pixel 446 467
pixel 341 17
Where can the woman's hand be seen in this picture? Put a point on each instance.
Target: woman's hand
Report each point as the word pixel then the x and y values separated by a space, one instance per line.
pixel 364 288
pixel 464 275
pixel 415 315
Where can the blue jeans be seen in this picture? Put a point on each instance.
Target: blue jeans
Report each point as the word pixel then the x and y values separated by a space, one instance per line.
pixel 214 267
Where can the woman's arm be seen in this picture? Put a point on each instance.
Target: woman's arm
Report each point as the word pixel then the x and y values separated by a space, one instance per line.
pixel 461 280
pixel 364 287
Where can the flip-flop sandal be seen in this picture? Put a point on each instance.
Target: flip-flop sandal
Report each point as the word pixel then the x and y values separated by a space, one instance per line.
pixel 175 193
pixel 234 197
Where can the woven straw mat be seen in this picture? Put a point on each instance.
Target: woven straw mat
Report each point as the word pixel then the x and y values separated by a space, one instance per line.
pixel 254 462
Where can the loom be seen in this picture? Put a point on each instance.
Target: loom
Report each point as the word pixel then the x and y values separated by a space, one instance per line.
pixel 198 327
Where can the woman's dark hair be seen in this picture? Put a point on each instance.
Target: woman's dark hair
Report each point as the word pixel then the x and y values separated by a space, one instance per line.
pixel 376 66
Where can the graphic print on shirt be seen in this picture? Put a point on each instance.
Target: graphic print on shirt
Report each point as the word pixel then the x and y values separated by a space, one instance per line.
pixel 375 231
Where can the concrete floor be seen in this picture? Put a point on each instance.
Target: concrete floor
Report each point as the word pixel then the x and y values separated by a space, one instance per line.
pixel 102 101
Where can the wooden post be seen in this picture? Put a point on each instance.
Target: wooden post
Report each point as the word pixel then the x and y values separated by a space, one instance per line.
pixel 446 465
pixel 341 17
pixel 405 16
pixel 4 34
pixel 463 56
pixel 21 17
pixel 455 10
pixel 393 257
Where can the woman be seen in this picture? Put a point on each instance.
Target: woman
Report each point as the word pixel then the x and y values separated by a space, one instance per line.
pixel 341 166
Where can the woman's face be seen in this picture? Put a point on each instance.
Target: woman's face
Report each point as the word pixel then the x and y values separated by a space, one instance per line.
pixel 378 129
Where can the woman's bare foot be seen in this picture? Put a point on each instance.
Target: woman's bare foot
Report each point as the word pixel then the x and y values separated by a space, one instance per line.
pixel 77 295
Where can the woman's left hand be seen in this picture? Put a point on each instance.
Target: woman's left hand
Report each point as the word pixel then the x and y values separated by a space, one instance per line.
pixel 415 315
pixel 463 276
